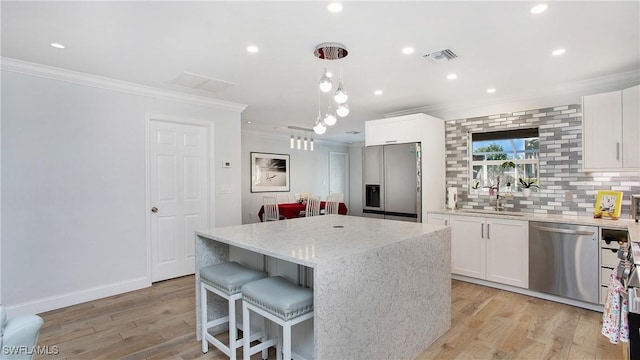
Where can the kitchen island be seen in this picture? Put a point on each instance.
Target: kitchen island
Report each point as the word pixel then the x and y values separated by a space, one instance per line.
pixel 382 288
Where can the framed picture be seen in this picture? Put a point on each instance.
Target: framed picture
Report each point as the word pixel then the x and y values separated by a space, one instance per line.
pixel 608 204
pixel 269 172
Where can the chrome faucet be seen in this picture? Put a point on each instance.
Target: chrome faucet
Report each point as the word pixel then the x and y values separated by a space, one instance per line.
pixel 499 206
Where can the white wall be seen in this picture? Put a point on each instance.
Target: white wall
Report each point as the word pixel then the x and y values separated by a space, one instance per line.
pixel 73 188
pixel 309 170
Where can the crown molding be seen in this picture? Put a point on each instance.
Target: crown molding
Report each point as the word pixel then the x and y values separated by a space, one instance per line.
pixel 528 99
pixel 50 72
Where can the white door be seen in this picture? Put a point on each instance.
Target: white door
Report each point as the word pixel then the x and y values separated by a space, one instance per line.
pixel 178 178
pixel 339 174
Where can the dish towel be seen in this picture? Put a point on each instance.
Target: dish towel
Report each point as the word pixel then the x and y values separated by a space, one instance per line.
pixel 615 325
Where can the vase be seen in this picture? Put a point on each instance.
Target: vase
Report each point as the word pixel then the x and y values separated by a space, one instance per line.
pixel 526 192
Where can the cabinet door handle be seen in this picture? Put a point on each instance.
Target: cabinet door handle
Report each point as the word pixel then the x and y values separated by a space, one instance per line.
pixel 488 231
pixel 391 141
pixel 482 231
pixel 617 151
pixel 446 223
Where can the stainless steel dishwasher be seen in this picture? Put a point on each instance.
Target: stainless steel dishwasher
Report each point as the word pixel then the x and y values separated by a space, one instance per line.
pixel 563 260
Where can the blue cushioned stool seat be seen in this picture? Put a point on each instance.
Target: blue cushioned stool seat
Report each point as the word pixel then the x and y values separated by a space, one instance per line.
pixel 225 280
pixel 229 276
pixel 281 302
pixel 279 297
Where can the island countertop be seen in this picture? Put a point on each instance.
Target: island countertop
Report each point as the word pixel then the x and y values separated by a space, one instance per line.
pixel 318 239
pixel 381 288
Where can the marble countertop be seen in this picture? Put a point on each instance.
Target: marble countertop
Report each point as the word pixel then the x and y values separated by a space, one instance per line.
pixel 625 224
pixel 313 240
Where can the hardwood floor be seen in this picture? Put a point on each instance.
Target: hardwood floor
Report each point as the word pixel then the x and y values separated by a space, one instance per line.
pixel 159 323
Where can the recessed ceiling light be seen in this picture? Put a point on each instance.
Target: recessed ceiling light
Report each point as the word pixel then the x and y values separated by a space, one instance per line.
pixel 248 121
pixel 57 45
pixel 334 7
pixel 408 50
pixel 539 8
pixel 558 52
pixel 377 92
pixel 452 76
pixel 252 49
pixel 491 90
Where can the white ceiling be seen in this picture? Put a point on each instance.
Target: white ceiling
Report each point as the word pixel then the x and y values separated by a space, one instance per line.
pixel 499 44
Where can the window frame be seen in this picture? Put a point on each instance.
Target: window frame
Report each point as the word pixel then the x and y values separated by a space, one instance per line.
pixel 484 186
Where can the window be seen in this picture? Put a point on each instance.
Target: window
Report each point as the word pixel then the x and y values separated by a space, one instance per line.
pixel 509 155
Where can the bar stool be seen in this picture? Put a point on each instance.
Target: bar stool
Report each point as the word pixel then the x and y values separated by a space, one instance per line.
pixel 280 301
pixel 225 280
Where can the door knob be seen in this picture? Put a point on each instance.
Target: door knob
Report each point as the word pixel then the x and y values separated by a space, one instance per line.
pixel 154 209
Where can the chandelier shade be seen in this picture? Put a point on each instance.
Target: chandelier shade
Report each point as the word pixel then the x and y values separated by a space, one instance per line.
pixel 342 110
pixel 341 95
pixel 325 82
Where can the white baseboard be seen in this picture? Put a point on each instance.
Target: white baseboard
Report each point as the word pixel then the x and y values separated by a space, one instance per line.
pixel 76 297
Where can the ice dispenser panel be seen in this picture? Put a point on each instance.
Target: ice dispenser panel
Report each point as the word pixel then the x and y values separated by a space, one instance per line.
pixel 372 196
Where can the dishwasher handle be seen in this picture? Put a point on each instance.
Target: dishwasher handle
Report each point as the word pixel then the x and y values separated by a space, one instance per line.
pixel 563 231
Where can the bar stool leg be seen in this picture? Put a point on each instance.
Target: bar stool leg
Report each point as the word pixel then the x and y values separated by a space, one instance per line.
pixel 246 334
pixel 233 331
pixel 203 318
pixel 265 352
pixel 279 347
pixel 286 335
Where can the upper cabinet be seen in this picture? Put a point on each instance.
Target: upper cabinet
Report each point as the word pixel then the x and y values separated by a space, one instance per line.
pixel 396 130
pixel 611 129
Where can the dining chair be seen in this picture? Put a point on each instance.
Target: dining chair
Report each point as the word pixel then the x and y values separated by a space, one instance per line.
pixel 313 206
pixel 339 195
pixel 283 198
pixel 332 203
pixel 270 205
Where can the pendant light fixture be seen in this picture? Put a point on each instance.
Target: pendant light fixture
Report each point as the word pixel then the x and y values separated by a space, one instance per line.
pixel 325 82
pixel 331 51
pixel 340 95
pixel 342 110
pixel 319 127
pixel 298 142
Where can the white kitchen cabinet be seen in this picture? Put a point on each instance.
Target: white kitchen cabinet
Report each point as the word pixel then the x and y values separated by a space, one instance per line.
pixel 468 246
pixel 492 249
pixel 396 130
pixel 438 219
pixel 610 130
pixel 508 251
pixel 631 128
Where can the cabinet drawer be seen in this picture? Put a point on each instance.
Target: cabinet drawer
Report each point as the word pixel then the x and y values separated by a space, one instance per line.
pixel 605 274
pixel 610 245
pixel 609 258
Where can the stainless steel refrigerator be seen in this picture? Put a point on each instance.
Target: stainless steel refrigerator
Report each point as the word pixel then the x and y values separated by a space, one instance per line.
pixel 392 182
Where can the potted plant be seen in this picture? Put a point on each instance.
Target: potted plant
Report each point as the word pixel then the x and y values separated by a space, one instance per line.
pixel 527 184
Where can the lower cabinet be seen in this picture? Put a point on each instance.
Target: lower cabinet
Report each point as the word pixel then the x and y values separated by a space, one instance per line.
pixel 492 249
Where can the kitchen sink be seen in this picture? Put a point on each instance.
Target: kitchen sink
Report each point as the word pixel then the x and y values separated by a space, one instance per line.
pixel 492 212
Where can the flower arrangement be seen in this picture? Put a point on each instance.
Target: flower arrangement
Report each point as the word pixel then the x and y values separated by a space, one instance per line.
pixel 303 197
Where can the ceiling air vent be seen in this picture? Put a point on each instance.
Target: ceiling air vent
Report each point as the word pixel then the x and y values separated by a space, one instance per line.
pixel 440 56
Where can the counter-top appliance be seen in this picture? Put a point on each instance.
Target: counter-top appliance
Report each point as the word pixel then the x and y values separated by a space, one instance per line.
pixel 392 182
pixel 562 260
pixel 635 207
